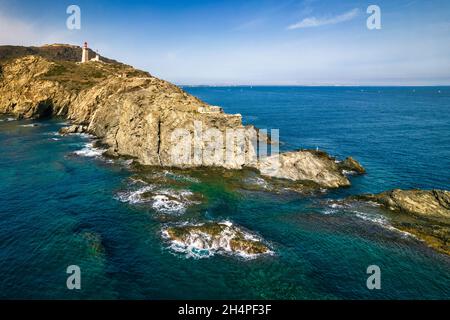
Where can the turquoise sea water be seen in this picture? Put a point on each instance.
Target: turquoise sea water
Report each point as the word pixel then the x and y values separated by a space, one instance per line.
pixel 61 204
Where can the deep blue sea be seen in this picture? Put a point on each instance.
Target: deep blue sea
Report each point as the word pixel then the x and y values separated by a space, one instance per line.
pixel 62 203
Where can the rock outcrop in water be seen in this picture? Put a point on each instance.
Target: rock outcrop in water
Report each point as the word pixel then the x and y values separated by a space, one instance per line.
pixel 308 165
pixel 423 213
pixel 73 129
pixel 424 203
pixel 352 166
pixel 136 114
pixel 215 237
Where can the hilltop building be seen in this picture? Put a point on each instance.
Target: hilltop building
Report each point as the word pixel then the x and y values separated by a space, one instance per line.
pixel 97 57
pixel 85 54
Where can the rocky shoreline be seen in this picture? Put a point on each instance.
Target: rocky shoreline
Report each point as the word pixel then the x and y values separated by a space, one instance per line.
pixel 433 204
pixel 134 114
pixel 423 213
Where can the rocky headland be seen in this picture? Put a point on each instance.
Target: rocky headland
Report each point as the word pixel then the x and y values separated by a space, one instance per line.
pixel 135 114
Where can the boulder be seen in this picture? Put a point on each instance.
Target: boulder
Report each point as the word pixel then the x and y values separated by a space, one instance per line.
pixel 216 237
pixel 305 165
pixel 72 129
pixel 351 165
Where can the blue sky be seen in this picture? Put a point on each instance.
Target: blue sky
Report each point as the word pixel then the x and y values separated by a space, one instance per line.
pixel 258 42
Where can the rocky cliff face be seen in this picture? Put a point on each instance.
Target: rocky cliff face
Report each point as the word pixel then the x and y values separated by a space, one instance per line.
pixel 136 114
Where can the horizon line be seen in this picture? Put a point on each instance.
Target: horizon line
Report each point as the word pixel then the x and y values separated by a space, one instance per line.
pixel 315 85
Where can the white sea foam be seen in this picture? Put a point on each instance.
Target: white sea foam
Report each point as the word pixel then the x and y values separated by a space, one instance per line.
pixel 328 211
pixel 201 245
pixel 227 223
pixel 51 133
pixel 90 151
pixel 29 125
pixel 372 217
pixel 135 180
pixel 190 251
pixel 162 200
pixel 177 177
pixel 333 207
pixel 83 135
pixel 135 196
pixel 259 182
pixel 172 201
pixel 119 161
pixel 381 221
pixel 163 203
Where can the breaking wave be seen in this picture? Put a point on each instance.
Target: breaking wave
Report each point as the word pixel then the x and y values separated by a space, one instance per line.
pixel 90 151
pixel 258 181
pixel 165 204
pixel 135 196
pixel 198 244
pixel 334 207
pixel 174 176
pixel 162 200
pixel 349 172
pixel 381 221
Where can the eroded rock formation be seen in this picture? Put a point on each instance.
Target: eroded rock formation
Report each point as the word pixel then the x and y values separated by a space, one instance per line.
pixel 136 114
pixel 306 165
pixel 423 213
pixel 424 203
pixel 215 237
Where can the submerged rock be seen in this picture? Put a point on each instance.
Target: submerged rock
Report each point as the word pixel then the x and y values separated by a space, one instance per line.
pixel 216 237
pixel 423 213
pixel 94 242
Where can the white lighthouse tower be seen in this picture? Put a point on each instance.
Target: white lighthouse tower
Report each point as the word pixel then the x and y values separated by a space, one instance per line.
pixel 85 54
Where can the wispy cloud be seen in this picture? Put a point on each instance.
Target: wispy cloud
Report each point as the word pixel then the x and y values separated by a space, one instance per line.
pixel 17 31
pixel 311 22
